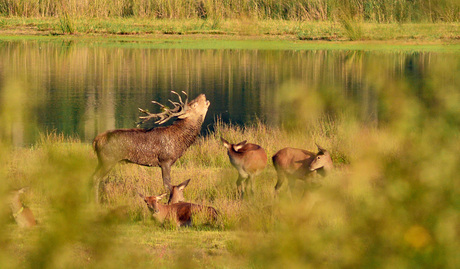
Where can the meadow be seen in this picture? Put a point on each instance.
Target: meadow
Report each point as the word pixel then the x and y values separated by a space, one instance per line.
pixel 392 200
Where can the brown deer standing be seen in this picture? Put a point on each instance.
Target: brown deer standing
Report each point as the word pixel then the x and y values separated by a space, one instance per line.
pixel 298 164
pixel 177 193
pixel 21 214
pixel 160 146
pixel 249 159
pixel 181 213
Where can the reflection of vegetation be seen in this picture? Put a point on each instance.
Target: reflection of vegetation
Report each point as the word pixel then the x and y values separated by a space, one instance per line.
pixel 85 90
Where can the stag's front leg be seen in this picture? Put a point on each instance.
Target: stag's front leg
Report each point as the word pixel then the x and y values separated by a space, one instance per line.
pixel 166 174
pixel 101 171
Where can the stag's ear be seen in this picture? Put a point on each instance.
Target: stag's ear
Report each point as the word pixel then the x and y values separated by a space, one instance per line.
pixel 141 195
pixel 320 149
pixel 161 196
pixel 183 184
pixel 226 144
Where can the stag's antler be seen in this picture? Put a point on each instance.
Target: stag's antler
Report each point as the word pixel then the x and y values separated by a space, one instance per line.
pixel 179 109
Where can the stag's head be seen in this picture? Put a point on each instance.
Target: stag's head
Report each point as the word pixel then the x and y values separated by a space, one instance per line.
pixel 152 201
pixel 194 110
pixel 197 108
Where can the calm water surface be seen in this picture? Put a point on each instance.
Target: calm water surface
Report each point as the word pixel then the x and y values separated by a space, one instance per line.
pixel 81 90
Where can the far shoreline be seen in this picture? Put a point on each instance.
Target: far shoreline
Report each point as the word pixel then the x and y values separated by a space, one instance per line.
pixel 305 32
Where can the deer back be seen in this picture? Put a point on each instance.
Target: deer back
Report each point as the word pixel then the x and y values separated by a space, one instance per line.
pixel 251 158
pixel 293 162
pixel 299 162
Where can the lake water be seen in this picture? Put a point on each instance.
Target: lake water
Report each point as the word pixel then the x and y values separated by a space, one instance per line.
pixel 81 89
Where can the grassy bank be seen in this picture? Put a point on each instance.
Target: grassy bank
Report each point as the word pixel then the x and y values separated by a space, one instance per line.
pixel 233 28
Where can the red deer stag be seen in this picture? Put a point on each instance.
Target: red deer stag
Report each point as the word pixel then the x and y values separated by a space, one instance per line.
pixel 177 193
pixel 21 214
pixel 160 146
pixel 181 213
pixel 249 159
pixel 298 164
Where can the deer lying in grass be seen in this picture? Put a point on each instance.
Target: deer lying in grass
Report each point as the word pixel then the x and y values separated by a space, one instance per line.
pixel 249 159
pixel 21 214
pixel 160 146
pixel 181 213
pixel 295 163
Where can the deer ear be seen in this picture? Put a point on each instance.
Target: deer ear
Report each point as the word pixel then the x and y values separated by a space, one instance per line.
pixel 242 143
pixel 161 196
pixel 141 195
pixel 183 184
pixel 226 144
pixel 239 145
pixel 320 149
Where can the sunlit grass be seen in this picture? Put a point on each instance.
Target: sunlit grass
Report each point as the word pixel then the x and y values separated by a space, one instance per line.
pixel 370 203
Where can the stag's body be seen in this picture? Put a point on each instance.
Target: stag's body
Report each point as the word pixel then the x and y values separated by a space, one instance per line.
pixel 181 213
pixel 293 163
pixel 249 159
pixel 21 214
pixel 160 146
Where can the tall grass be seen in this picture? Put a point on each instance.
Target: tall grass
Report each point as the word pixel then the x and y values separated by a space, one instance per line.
pixel 368 10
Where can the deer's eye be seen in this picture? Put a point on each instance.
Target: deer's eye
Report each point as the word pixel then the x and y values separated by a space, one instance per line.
pixel 318 157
